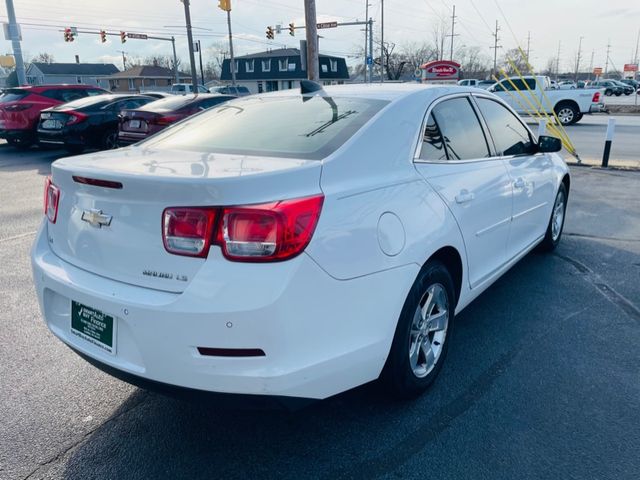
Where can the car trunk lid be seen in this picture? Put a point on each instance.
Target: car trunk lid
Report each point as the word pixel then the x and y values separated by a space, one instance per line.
pixel 114 229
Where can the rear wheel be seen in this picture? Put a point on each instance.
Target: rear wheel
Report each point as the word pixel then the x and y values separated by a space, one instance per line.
pixel 420 341
pixel 567 113
pixel 608 92
pixel 74 149
pixel 21 143
pixel 556 222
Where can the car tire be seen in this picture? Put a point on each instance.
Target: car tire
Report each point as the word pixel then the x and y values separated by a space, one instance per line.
pixel 579 117
pixel 20 143
pixel 618 94
pixel 420 342
pixel 608 92
pixel 567 113
pixel 74 149
pixel 556 222
pixel 110 140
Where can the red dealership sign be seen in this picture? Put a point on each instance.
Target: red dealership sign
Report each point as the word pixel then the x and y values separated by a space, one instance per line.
pixel 440 70
pixel 631 67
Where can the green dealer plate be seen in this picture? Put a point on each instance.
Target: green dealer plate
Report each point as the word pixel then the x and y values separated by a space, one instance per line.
pixel 93 326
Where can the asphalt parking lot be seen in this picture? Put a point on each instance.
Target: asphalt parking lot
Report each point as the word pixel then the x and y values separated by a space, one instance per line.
pixel 542 378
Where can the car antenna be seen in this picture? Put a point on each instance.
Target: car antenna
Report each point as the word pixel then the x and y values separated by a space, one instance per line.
pixel 309 86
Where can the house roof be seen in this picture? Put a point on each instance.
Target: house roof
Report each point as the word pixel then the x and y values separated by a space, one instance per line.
pixel 98 69
pixel 148 71
pixel 280 52
pixel 331 67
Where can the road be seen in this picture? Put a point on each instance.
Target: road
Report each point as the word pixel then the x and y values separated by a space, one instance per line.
pixel 588 136
pixel 542 378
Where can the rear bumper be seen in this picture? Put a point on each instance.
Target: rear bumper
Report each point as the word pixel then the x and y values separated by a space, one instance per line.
pixel 597 107
pixel 17 134
pixel 320 336
pixel 61 137
pixel 129 138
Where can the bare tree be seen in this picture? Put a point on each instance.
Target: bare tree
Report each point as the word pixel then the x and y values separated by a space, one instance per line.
pixel 439 34
pixel 43 57
pixel 513 59
pixel 472 62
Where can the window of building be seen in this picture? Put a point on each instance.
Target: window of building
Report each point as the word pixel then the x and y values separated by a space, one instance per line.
pixel 292 67
pixel 132 84
pixel 324 67
pixel 283 64
pixel 334 65
pixel 78 79
pixel 249 66
pixel 266 65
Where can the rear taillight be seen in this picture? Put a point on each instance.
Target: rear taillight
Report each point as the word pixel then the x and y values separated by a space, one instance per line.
pixel 75 117
pixel 596 97
pixel 188 231
pixel 268 232
pixel 18 107
pixel 166 119
pixel 51 199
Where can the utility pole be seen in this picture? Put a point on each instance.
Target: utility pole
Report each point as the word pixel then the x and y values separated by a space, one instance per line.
pixel 528 45
pixel 635 57
pixel 558 60
pixel 175 60
pixel 371 49
pixel 233 63
pixel 495 48
pixel 453 30
pixel 192 58
pixel 201 69
pixel 312 40
pixel 366 40
pixel 606 66
pixel 593 52
pixel 578 59
pixel 124 59
pixel 14 34
pixel 382 55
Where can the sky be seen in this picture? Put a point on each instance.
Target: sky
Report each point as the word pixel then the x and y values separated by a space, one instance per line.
pixel 551 24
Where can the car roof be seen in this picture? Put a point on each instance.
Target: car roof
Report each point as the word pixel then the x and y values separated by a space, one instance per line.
pixel 381 91
pixel 58 85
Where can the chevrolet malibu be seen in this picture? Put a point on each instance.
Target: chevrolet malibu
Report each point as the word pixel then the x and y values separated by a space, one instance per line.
pixel 295 244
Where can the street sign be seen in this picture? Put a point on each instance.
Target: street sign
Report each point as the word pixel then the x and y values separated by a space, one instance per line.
pixel 369 60
pixel 631 67
pixel 327 25
pixel 12 33
pixel 7 61
pixel 597 71
pixel 139 36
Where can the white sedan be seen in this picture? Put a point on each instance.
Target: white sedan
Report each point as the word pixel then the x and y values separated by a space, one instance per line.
pixel 295 244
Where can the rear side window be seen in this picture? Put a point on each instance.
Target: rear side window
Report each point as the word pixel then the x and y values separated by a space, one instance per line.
pixel 509 135
pixel 69 95
pixel 294 127
pixel 518 83
pixel 432 142
pixel 460 130
pixel 168 104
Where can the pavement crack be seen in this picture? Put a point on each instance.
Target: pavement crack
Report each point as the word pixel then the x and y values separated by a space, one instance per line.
pixel 85 436
pixel 15 237
pixel 606 290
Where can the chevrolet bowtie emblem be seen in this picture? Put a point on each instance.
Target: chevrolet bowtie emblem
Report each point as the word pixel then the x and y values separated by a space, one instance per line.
pixel 96 218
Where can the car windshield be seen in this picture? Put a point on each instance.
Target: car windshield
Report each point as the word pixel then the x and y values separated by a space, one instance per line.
pixel 295 127
pixel 168 104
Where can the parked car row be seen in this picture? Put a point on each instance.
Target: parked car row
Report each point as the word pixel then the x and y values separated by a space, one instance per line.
pixel 77 117
pixel 610 86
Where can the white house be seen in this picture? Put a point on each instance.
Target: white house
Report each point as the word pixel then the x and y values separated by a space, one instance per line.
pixel 72 73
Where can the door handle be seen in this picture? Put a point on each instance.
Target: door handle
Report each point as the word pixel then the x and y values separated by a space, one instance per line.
pixel 519 183
pixel 464 196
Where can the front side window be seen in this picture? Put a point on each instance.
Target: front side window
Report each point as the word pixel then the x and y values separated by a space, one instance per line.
pixel 509 135
pixel 460 129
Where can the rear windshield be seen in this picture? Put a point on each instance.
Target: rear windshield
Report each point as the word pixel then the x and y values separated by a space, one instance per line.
pixel 96 100
pixel 168 104
pixel 296 127
pixel 13 95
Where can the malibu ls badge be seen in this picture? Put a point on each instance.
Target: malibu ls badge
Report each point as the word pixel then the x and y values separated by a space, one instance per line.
pixel 96 218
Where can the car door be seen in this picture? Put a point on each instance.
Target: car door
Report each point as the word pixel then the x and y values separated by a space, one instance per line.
pixel 530 173
pixel 456 160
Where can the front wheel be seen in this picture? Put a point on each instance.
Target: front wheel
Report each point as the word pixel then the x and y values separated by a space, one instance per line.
pixel 556 222
pixel 110 140
pixel 608 92
pixel 420 340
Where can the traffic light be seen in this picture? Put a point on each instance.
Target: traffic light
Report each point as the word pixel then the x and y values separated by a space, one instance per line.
pixel 224 5
pixel 68 35
pixel 103 36
pixel 292 29
pixel 123 37
pixel 270 32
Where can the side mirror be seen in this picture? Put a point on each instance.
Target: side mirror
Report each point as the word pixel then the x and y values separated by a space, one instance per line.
pixel 549 144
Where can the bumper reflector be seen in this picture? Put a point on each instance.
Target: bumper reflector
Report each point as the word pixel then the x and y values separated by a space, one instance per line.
pixel 231 352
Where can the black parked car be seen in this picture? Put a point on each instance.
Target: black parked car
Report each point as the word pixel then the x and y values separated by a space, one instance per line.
pixel 88 122
pixel 610 88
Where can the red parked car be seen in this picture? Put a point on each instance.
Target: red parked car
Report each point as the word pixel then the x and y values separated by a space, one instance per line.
pixel 138 124
pixel 20 108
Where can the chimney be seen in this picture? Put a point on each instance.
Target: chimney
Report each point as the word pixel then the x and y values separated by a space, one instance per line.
pixel 77 58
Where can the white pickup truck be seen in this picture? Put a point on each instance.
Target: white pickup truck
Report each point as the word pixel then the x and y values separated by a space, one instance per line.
pixel 569 105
